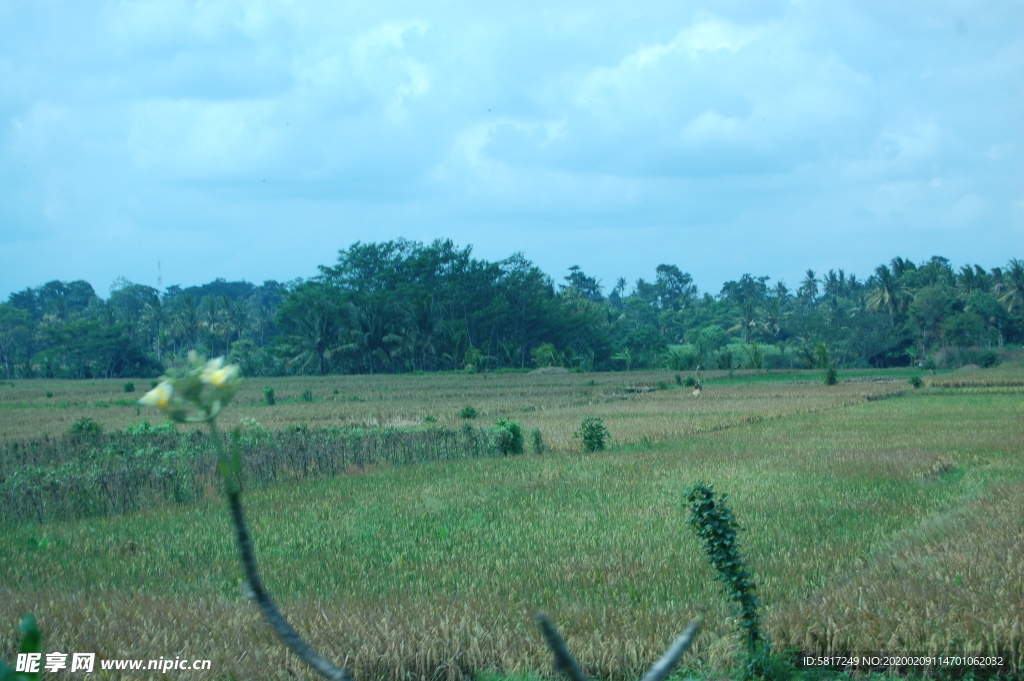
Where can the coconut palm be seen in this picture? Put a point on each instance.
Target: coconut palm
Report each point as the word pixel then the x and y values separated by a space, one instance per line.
pixel 888 295
pixel 1011 288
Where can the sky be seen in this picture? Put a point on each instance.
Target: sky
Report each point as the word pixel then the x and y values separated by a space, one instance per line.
pixel 254 140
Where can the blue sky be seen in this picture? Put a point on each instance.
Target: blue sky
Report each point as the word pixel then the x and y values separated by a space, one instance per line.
pixel 253 140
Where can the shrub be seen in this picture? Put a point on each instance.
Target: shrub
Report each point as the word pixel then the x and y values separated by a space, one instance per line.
pixel 593 434
pixel 86 426
pixel 915 381
pixel 662 385
pixel 678 379
pixel 988 359
pixel 268 396
pixel 307 395
pixel 690 382
pixel 831 375
pixel 508 437
pixel 129 387
pixel 468 412
pixel 49 393
pixel 537 441
pixel 429 418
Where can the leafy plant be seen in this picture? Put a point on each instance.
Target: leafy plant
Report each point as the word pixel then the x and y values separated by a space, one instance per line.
pixel 268 396
pixel 31 644
pixel 593 434
pixel 717 529
pixel 307 395
pixel 916 382
pixel 86 426
pixel 468 412
pixel 508 437
pixel 129 387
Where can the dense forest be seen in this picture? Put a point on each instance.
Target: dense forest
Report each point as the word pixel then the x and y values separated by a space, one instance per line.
pixel 402 306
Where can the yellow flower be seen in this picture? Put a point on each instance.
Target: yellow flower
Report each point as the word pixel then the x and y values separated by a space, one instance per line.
pixel 216 374
pixel 159 396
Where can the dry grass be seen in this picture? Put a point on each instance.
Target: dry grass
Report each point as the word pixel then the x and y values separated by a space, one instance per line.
pixel 891 524
pixel 554 404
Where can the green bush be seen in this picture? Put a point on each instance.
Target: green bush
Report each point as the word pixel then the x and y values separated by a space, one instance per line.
pixel 662 385
pixel 678 379
pixel 86 426
pixel 49 393
pixel 916 381
pixel 268 396
pixel 988 359
pixel 508 437
pixel 593 434
pixel 468 412
pixel 690 382
pixel 307 395
pixel 831 375
pixel 129 387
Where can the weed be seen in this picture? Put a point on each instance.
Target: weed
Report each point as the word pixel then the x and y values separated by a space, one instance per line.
pixel 128 387
pixel 508 437
pixel 86 426
pixel 717 529
pixel 916 381
pixel 307 395
pixel 268 396
pixel 537 441
pixel 468 412
pixel 593 433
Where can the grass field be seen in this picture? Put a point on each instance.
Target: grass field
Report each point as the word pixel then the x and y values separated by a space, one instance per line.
pixel 871 524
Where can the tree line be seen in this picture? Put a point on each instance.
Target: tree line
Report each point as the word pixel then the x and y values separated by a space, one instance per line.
pixel 401 306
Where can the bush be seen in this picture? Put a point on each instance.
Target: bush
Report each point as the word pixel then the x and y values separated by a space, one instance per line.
pixel 916 382
pixel 49 393
pixel 468 412
pixel 307 395
pixel 831 375
pixel 662 385
pixel 129 387
pixel 537 441
pixel 508 437
pixel 690 382
pixel 268 396
pixel 988 359
pixel 678 379
pixel 86 426
pixel 593 434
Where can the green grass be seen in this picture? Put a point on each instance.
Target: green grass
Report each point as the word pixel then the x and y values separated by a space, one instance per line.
pixel 597 541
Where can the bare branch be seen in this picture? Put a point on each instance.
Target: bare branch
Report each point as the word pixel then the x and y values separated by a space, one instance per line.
pixel 564 661
pixel 663 667
pixel 255 590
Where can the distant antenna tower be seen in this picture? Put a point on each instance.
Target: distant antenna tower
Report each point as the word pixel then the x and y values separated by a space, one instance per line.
pixel 159 276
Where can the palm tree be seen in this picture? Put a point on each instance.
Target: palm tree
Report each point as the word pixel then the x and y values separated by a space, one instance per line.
pixel 888 295
pixel 1011 288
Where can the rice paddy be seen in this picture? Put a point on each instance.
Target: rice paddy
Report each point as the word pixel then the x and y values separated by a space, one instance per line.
pixel 871 524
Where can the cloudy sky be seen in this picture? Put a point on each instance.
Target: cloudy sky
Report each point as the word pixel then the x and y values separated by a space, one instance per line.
pixel 254 139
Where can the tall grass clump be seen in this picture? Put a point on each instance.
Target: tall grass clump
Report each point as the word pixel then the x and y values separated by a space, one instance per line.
pixel 268 396
pixel 717 529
